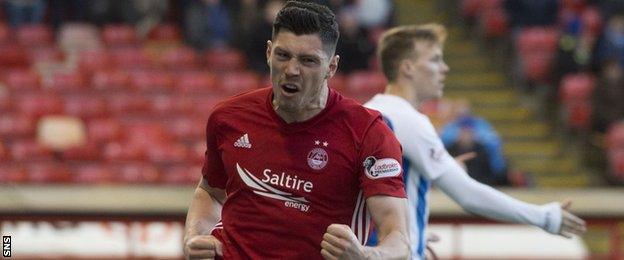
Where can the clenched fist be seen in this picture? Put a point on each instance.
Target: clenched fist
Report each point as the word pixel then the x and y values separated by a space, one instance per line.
pixel 339 242
pixel 203 247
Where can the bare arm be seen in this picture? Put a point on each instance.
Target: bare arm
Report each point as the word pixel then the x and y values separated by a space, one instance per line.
pixel 390 216
pixel 200 219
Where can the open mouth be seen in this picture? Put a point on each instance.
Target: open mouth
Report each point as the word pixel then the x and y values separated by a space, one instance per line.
pixel 290 88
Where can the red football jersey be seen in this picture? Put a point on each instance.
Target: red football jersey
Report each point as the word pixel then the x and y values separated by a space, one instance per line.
pixel 286 183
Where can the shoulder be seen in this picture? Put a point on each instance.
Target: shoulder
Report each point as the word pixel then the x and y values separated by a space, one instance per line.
pixel 354 114
pixel 236 105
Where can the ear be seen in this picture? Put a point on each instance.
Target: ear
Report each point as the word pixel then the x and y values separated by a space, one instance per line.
pixel 406 67
pixel 268 50
pixel 333 66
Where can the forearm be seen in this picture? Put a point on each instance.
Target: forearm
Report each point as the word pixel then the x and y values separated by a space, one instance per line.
pixel 202 214
pixel 485 201
pixel 392 225
pixel 394 245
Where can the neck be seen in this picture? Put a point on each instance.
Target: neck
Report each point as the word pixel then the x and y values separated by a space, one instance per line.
pixel 307 111
pixel 402 88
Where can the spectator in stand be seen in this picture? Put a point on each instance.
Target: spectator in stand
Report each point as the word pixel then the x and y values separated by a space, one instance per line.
pixel 69 11
pixel 608 96
pixel 207 24
pixel 374 13
pixel 256 41
pixel 611 43
pixel 478 168
pixel 525 13
pixel 354 45
pixel 25 11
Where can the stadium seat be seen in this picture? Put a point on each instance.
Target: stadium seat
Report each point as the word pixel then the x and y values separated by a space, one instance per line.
pixel 237 82
pixel 592 21
pixel 103 130
pixel 38 104
pixel 181 175
pixel 225 59
pixel 110 80
pixel 92 60
pixel 146 134
pixel 167 153
pixel 28 150
pixel 538 40
pixel 537 67
pixel 124 152
pixel 22 79
pixel 615 136
pixel 5 33
pixel 16 125
pixel 130 58
pixel 165 32
pixel 44 54
pixel 187 127
pixel 34 35
pixel 337 82
pixel 616 164
pixel 13 56
pixel 180 58
pixel 48 172
pixel 12 174
pixel 90 151
pixel 494 23
pixel 85 106
pixel 196 81
pixel 171 105
pixel 119 35
pixel 65 82
pixel 151 80
pixel 134 173
pixel 198 151
pixel 577 87
pixel 92 173
pixel 4 155
pixel 6 100
pixel 470 8
pixel 124 104
pixel 365 83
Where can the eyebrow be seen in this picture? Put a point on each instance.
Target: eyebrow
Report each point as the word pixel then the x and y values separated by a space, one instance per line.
pixel 312 56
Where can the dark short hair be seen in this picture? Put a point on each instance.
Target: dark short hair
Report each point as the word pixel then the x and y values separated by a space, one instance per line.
pixel 308 18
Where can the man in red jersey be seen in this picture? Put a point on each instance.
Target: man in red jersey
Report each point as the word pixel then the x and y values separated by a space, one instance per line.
pixel 300 170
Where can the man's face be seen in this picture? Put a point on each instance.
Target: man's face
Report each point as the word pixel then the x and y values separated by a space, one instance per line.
pixel 428 71
pixel 299 69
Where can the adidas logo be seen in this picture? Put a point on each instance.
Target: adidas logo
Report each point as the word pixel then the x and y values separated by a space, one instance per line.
pixel 243 142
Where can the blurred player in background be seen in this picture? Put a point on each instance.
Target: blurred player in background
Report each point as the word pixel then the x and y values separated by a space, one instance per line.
pixel 412 61
pixel 300 170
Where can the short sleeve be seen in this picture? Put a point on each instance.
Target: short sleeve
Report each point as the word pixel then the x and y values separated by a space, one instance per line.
pixel 213 170
pixel 381 171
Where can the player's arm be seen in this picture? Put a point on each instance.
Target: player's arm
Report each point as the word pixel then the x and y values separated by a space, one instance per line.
pixel 390 216
pixel 486 201
pixel 200 219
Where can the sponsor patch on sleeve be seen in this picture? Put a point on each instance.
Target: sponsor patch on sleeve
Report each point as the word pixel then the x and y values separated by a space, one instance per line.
pixel 381 168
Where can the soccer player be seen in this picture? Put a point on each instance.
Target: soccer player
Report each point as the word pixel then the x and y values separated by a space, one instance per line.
pixel 412 61
pixel 300 170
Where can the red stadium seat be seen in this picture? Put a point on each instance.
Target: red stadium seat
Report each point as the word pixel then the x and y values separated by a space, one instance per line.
pixel 65 81
pixel 85 106
pixel 237 82
pixel 579 114
pixel 138 173
pixel 592 21
pixel 119 35
pixel 123 104
pixel 22 79
pixel 17 125
pixel 130 58
pixel 171 105
pixel 104 130
pixel 12 174
pixel 6 101
pixel 577 87
pixel 146 134
pixel 13 56
pixel 198 151
pixel 94 60
pixel 204 105
pixel 180 58
pixel 38 104
pixel 167 153
pixel 5 33
pixel 470 8
pixel 44 54
pixel 92 173
pixel 165 32
pixel 88 152
pixel 187 128
pixel 538 39
pixel 196 81
pixel 494 23
pixel 537 66
pixel 337 82
pixel 616 164
pixel 225 60
pixel 35 35
pixel 48 172
pixel 182 174
pixel 615 136
pixel 29 150
pixel 151 80
pixel 110 80
pixel 118 151
pixel 365 83
pixel 4 155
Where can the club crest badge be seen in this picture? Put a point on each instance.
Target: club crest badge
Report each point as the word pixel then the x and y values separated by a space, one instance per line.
pixel 317 158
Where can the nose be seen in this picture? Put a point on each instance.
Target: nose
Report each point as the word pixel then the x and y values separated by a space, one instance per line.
pixel 445 68
pixel 292 68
